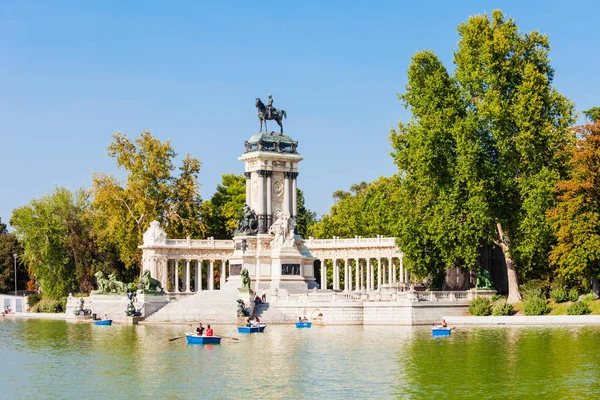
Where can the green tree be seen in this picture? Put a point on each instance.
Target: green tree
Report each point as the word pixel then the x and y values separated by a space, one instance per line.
pixel 9 245
pixel 124 210
pixel 593 114
pixel 55 236
pixel 224 210
pixel 576 217
pixel 305 217
pixel 485 147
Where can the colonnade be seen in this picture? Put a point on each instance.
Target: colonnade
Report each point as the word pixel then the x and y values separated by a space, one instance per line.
pixel 176 276
pixel 363 274
pixel 264 204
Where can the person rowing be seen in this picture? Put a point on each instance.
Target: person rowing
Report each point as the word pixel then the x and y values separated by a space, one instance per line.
pixel 200 329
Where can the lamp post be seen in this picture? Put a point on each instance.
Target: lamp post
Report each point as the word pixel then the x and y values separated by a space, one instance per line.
pixel 15 258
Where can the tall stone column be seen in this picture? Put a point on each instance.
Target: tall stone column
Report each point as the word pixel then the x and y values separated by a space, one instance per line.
pixel 357 275
pixel 176 275
pixel 269 220
pixel 346 274
pixel 211 275
pixel 294 212
pixel 390 280
pixel 286 193
pixel 323 273
pixel 164 281
pixel 336 275
pixel 402 280
pixel 379 275
pixel 188 289
pixel 223 277
pixel 394 273
pixel 260 210
pixel 248 188
pixel 368 275
pixel 199 275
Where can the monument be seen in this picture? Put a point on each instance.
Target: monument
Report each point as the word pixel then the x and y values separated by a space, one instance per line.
pixel 266 243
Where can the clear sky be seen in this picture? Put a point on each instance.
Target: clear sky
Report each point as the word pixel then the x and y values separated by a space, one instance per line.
pixel 72 73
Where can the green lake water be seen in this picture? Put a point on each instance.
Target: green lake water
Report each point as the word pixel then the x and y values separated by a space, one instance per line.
pixel 60 360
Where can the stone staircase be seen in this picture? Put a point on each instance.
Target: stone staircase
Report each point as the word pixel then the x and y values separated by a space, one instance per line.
pixel 209 306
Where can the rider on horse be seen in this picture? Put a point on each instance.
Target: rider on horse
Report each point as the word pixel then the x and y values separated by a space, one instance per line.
pixel 270 107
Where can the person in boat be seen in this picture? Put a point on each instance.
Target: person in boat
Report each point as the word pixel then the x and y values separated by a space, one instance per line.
pixel 248 324
pixel 444 323
pixel 305 319
pixel 257 320
pixel 299 319
pixel 200 329
pixel 209 331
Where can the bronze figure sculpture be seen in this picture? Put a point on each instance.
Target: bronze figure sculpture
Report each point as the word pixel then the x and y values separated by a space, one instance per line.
pixel 269 112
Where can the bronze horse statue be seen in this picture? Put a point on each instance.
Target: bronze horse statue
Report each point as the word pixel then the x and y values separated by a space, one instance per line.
pixel 276 115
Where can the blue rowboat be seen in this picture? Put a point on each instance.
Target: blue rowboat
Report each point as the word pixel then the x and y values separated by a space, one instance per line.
pixel 252 329
pixel 103 322
pixel 303 324
pixel 440 331
pixel 192 338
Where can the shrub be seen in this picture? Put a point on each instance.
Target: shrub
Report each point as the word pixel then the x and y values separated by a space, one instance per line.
pixel 498 297
pixel 50 306
pixel 480 307
pixel 588 298
pixel 33 299
pixel 559 294
pixel 578 308
pixel 532 289
pixel 502 308
pixel 573 294
pixel 535 306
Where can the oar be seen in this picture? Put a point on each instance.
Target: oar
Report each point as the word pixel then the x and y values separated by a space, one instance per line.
pixel 320 323
pixel 288 325
pixel 175 338
pixel 229 337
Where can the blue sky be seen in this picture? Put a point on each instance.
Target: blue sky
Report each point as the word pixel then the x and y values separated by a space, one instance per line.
pixel 72 73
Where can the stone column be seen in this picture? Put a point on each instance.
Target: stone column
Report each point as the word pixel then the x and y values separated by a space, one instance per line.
pixel 260 210
pixel 164 269
pixel 199 275
pixel 394 279
pixel 402 280
pixel 223 275
pixel 286 193
pixel 390 281
pixel 368 275
pixel 269 220
pixel 323 273
pixel 176 275
pixel 346 275
pixel 357 275
pixel 336 275
pixel 188 289
pixel 372 276
pixel 294 195
pixel 248 189
pixel 379 275
pixel 211 275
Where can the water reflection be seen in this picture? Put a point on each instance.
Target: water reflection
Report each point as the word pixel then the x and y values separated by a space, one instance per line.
pixel 56 359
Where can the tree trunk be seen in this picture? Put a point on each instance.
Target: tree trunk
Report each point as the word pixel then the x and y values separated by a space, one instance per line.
pixel 596 286
pixel 514 296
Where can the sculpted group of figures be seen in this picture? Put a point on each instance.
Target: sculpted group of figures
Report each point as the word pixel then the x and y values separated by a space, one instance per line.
pixel 283 228
pixel 113 286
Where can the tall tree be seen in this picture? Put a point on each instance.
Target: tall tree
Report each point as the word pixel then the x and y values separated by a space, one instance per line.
pixel 305 217
pixel 485 147
pixel 593 114
pixel 576 217
pixel 124 210
pixel 55 241
pixel 224 209
pixel 9 245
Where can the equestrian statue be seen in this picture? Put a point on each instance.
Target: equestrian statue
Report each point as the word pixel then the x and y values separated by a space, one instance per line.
pixel 269 112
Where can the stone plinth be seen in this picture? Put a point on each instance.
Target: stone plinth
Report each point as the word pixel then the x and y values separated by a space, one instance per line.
pixel 115 305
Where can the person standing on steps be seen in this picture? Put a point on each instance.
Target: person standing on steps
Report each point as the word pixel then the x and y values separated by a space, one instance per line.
pixel 264 295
